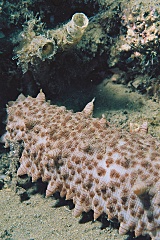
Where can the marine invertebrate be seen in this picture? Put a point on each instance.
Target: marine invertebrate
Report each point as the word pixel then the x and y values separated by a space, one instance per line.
pixel 71 32
pixel 36 42
pixel 141 37
pixel 138 45
pixel 135 127
pixel 99 167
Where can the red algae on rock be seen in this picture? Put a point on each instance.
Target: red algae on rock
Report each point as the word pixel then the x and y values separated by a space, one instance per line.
pixel 98 166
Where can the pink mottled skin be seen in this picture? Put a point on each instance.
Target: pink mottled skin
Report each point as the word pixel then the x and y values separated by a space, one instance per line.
pixel 98 166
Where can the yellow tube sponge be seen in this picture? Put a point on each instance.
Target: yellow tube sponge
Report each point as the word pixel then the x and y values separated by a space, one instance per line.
pixel 35 42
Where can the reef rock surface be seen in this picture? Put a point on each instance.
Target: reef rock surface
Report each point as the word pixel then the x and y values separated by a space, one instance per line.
pixel 98 166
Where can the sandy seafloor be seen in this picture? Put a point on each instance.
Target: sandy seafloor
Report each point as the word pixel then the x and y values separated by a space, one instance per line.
pixel 38 217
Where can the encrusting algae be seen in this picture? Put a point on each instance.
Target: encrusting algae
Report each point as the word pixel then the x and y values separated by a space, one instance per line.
pixel 98 166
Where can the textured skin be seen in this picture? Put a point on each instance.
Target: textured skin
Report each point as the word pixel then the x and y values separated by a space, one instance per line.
pixel 98 166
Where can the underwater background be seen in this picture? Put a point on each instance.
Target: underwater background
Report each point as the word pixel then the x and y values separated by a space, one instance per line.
pixel 110 52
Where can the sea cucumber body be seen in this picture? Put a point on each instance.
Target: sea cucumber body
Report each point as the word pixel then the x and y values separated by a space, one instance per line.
pixel 98 166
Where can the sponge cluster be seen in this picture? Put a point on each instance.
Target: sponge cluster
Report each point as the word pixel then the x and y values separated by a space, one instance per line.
pixel 98 166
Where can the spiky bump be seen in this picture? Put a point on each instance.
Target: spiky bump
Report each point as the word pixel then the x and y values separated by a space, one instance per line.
pixel 99 167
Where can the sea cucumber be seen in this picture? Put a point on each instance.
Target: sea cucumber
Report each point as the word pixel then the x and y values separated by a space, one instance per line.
pixel 98 166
